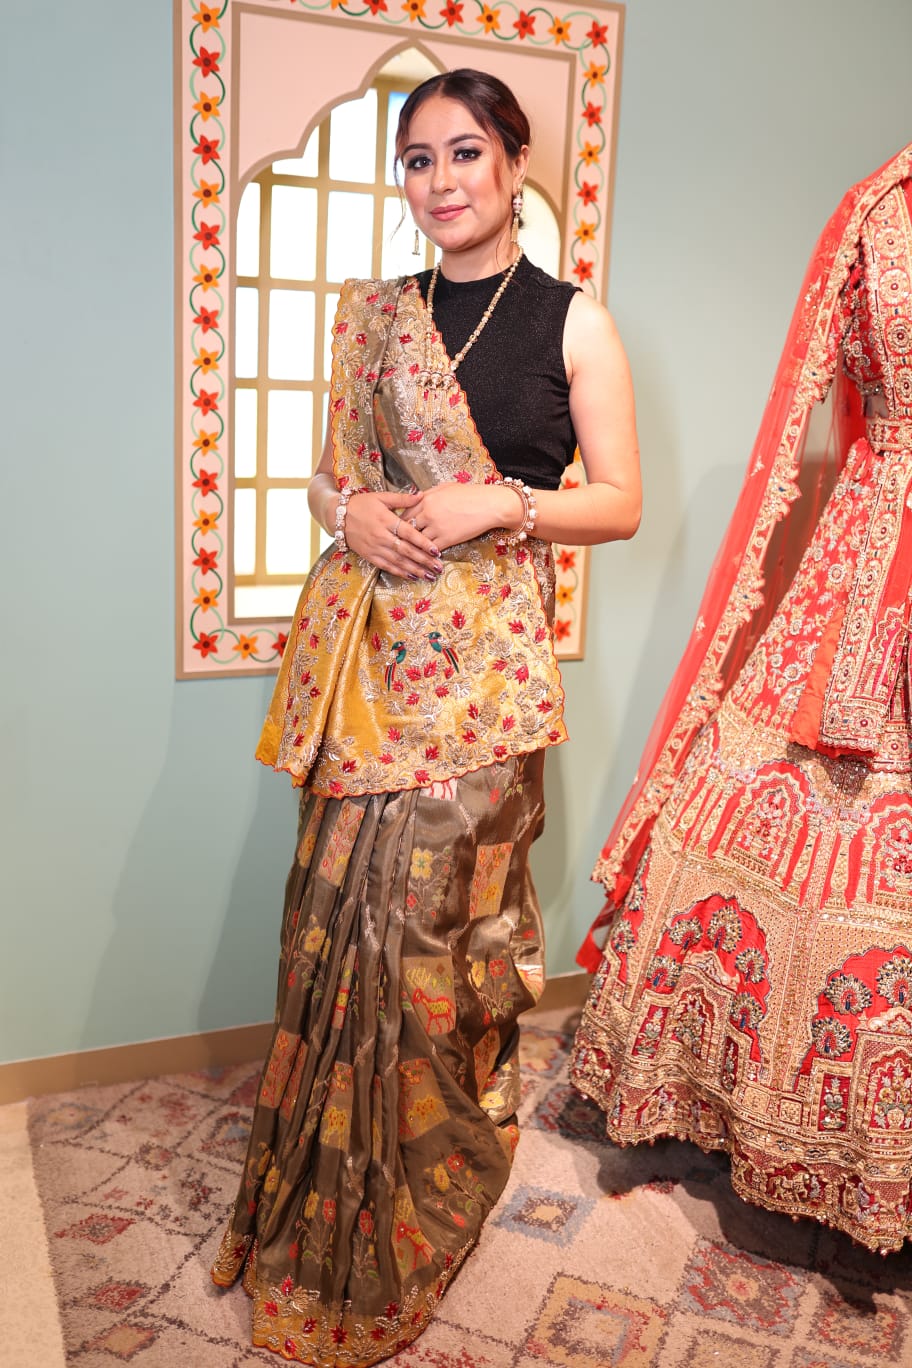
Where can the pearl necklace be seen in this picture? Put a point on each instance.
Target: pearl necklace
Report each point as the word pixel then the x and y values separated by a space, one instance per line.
pixel 432 378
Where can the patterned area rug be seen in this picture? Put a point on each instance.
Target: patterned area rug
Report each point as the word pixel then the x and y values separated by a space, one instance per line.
pixel 595 1255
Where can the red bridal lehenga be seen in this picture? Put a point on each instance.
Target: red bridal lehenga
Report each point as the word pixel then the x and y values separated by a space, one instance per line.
pixel 753 991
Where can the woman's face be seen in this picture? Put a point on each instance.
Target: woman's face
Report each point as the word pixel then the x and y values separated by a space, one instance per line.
pixel 459 184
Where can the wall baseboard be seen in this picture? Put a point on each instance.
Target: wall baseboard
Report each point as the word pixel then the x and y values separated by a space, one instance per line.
pixel 185 1054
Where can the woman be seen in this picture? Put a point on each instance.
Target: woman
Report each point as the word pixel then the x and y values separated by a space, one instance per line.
pixel 755 989
pixel 415 703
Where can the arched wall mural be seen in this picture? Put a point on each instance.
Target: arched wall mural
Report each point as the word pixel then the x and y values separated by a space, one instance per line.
pixel 252 79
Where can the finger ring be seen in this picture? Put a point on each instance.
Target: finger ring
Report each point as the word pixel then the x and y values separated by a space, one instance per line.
pixel 396 526
pixel 413 522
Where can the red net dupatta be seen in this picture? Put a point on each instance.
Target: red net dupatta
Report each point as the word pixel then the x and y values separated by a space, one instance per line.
pixel 738 603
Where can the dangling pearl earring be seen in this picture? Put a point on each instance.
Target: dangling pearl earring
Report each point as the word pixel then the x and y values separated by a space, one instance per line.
pixel 517 210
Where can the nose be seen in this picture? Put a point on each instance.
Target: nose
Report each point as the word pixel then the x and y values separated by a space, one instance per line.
pixel 442 179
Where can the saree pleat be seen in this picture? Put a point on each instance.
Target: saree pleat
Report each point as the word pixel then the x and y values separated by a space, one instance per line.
pixel 384 1128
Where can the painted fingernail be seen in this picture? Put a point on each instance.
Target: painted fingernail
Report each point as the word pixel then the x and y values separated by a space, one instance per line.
pixel 429 575
pixel 434 552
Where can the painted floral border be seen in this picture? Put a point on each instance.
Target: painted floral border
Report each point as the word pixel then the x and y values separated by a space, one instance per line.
pixel 208 641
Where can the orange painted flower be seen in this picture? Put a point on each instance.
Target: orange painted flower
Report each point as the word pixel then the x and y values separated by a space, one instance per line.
pixel 207 191
pixel 208 105
pixel 414 9
pixel 525 24
pixel 207 361
pixel 595 73
pixel 207 15
pixel 566 560
pixel 560 30
pixel 207 276
pixel 564 593
pixel 490 19
pixel 590 153
pixel 585 232
pixel 207 600
pixel 245 646
pixel 206 441
pixel 588 193
pixel 206 522
pixel 583 271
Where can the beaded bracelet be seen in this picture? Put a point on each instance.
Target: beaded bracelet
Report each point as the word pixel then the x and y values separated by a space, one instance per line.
pixel 530 512
pixel 341 510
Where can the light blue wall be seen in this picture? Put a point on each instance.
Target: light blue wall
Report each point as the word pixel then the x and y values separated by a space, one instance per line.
pixel 143 851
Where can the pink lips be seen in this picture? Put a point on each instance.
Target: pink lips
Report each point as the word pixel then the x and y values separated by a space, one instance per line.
pixel 448 212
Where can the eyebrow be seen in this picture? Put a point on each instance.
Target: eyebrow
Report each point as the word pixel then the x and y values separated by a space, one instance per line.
pixel 450 142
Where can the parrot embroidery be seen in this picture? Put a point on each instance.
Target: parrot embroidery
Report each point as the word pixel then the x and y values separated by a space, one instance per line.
pixel 398 650
pixel 438 645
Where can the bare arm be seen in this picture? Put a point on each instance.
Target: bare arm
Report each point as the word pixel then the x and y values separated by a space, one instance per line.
pixel 607 508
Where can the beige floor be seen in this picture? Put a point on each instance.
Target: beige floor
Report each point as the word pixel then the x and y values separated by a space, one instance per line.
pixel 30 1335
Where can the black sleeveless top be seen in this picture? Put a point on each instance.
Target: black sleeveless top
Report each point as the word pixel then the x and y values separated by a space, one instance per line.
pixel 514 376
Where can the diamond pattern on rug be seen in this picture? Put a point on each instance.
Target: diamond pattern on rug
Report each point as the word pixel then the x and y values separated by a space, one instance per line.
pixel 542 1053
pixel 98 1228
pixel 115 1296
pixel 596 1257
pixel 544 1215
pixel 742 1288
pixel 588 1325
pixel 124 1341
pixel 865 1325
pixel 711 1349
pixel 569 1115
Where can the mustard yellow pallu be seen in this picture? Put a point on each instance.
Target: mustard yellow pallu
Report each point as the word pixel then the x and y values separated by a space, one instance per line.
pixel 415 717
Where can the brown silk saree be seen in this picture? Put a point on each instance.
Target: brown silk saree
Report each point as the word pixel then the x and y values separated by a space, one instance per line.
pixel 415 718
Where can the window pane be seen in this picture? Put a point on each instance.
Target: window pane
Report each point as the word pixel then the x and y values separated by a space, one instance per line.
pixel 246 330
pixel 293 245
pixel 332 301
pixel 306 164
pixel 247 241
pixel 396 101
pixel 398 257
pixel 245 434
pixel 244 531
pixel 288 449
pixel 287 532
pixel 264 601
pixel 350 235
pixel 353 140
pixel 291 335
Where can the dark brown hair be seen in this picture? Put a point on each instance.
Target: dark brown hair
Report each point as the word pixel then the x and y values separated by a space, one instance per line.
pixel 492 105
